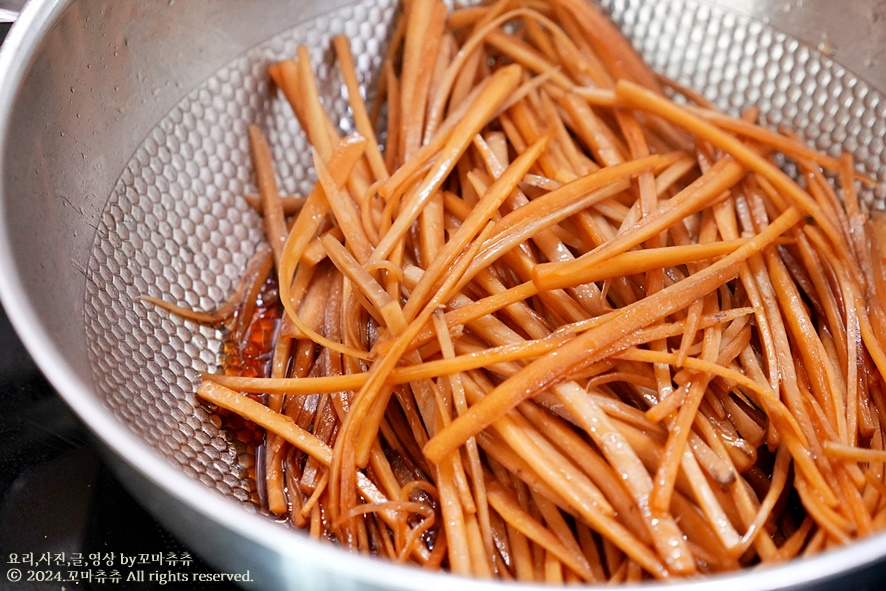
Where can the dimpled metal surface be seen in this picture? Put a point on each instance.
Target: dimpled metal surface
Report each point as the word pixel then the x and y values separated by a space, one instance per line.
pixel 176 226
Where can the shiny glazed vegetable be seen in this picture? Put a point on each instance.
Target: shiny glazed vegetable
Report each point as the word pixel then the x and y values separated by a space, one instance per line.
pixel 569 323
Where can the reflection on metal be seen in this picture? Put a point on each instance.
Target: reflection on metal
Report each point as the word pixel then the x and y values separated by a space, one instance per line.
pixel 10 9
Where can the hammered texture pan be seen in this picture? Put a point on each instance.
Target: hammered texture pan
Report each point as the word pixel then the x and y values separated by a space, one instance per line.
pixel 175 225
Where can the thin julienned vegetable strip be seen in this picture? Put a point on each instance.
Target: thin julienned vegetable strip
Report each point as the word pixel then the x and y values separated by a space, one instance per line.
pixel 570 356
pixel 561 328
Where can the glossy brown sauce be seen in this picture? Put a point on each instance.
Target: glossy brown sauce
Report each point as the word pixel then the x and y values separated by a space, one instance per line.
pixel 248 351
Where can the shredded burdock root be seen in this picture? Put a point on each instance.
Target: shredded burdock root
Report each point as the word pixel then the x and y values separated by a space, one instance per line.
pixel 569 324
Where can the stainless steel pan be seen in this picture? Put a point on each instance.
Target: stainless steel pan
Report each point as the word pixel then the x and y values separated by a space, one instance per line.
pixel 122 154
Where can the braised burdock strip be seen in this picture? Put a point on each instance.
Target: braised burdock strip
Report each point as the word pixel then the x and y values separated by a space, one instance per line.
pixel 557 319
